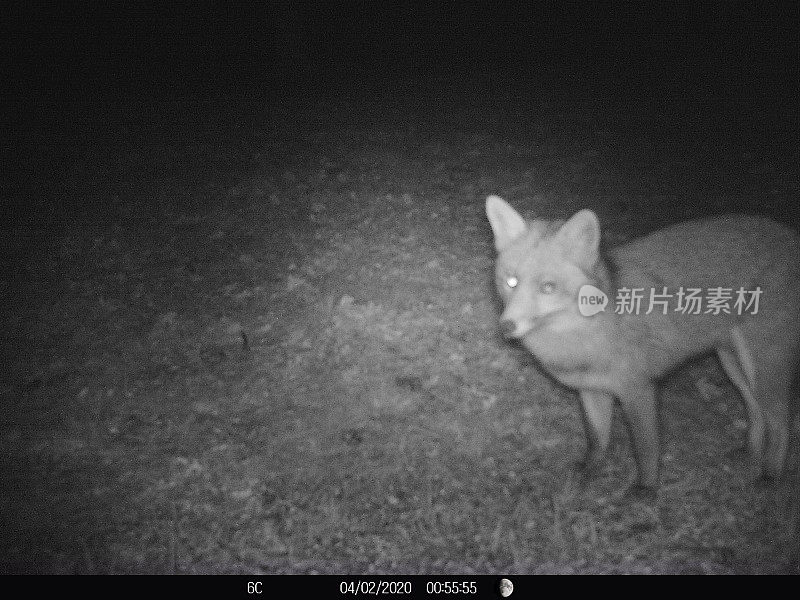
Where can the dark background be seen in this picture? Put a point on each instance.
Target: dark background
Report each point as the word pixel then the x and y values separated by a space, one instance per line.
pixel 210 48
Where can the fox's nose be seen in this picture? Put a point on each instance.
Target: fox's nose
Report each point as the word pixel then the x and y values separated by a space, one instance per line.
pixel 508 327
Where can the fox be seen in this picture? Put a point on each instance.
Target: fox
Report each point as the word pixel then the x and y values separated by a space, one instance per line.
pixel 621 356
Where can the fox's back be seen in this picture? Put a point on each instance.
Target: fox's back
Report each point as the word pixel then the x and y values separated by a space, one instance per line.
pixel 732 252
pixel 728 251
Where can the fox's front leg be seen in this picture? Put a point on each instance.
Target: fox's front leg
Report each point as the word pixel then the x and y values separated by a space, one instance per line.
pixel 639 405
pixel 598 410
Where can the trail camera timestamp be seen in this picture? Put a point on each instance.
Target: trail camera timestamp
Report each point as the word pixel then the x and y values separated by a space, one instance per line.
pixel 451 587
pixel 369 587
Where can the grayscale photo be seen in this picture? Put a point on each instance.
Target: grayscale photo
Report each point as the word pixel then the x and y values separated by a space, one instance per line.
pixel 423 298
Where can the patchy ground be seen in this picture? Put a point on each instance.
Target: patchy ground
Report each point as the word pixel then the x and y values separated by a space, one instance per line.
pixel 262 338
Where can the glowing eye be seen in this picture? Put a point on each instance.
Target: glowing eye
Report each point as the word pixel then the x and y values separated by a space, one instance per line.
pixel 512 282
pixel 548 287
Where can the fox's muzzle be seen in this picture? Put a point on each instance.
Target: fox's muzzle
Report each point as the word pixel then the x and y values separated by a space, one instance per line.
pixel 508 327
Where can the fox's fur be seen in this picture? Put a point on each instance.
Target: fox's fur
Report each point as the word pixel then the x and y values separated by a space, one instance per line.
pixel 541 265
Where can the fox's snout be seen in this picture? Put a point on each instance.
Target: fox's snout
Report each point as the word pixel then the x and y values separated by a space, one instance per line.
pixel 516 328
pixel 508 327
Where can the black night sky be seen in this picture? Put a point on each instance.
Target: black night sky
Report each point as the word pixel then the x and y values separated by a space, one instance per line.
pixel 205 48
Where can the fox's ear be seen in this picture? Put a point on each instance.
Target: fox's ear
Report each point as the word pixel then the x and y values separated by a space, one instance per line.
pixel 507 224
pixel 580 237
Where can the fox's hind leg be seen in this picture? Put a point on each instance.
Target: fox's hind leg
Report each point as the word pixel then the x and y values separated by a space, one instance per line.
pixel 756 432
pixel 773 346
pixel 765 380
pixel 773 385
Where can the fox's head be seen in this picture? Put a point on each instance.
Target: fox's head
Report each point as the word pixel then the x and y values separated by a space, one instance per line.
pixel 541 266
